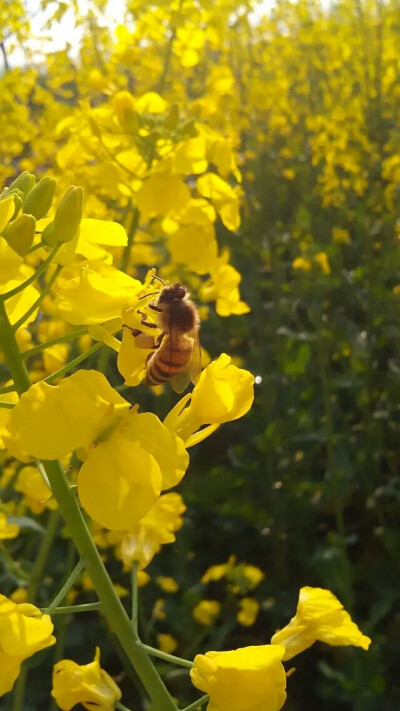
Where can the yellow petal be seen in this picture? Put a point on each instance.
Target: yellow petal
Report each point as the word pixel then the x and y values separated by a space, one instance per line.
pixel 119 482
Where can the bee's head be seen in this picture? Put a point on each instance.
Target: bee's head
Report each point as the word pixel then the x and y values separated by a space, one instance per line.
pixel 174 292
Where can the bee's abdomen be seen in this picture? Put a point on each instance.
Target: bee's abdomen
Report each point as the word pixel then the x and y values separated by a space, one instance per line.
pixel 166 362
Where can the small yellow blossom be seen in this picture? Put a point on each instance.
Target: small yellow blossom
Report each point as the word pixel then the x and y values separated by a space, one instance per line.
pixel 167 643
pixel 7 530
pixel 319 617
pixel 167 584
pixel 23 631
pixel 156 528
pixel 206 612
pixel 37 494
pixel 86 684
pixel 158 609
pixel 302 264
pixel 217 572
pixel 223 393
pixel 322 259
pixel 249 609
pixel 19 595
pixel 246 679
pixel 340 235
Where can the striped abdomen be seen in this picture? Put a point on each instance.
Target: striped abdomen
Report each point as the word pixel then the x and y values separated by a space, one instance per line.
pixel 171 358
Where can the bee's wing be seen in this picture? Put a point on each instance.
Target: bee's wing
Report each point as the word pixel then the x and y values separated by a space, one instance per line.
pixel 181 380
pixel 195 361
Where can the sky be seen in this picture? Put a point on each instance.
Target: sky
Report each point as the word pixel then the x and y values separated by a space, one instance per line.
pixel 45 40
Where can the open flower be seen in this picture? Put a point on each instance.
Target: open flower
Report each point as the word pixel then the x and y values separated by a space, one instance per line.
pixel 23 631
pixel 7 530
pixel 246 679
pixel 129 458
pixel 86 684
pixel 223 393
pixel 319 617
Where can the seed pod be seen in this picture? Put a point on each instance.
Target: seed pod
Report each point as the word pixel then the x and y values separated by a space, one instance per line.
pixel 39 199
pixel 24 182
pixel 20 234
pixel 68 214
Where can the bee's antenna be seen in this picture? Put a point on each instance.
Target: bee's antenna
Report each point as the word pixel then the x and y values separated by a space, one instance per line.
pixel 158 279
pixel 152 293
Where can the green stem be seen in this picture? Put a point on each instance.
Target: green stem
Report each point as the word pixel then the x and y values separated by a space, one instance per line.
pixel 39 271
pixel 167 657
pixel 71 365
pixel 7 389
pixel 43 293
pixel 7 405
pixel 53 342
pixel 112 607
pixel 134 592
pixel 44 550
pixel 200 702
pixel 71 609
pixel 121 707
pixel 19 689
pixel 36 246
pixel 72 577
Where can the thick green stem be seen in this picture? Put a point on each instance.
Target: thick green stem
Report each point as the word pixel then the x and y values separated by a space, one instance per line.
pixel 110 603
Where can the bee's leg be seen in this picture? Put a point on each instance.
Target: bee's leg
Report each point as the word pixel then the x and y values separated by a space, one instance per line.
pixel 142 340
pixel 159 340
pixel 145 322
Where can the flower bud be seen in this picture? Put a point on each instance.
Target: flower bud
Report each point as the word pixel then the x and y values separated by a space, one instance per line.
pixel 39 199
pixel 68 214
pixel 24 182
pixel 20 234
pixel 48 235
pixel 125 109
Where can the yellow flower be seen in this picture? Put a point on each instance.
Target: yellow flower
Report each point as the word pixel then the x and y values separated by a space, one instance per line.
pixel 319 617
pixel 223 393
pixel 302 264
pixel 7 530
pixel 246 679
pixel 158 609
pixel 223 197
pixel 322 259
pixel 37 494
pixel 156 528
pixel 249 609
pixel 244 577
pixel 223 288
pixel 340 235
pixel 19 595
pixel 94 292
pixel 129 457
pixel 167 584
pixel 161 194
pixel 206 612
pixel 86 684
pixel 167 643
pixel 23 631
pixel 217 572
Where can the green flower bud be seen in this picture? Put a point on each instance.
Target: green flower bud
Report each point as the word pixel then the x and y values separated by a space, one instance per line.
pixel 68 214
pixel 20 234
pixel 48 235
pixel 24 182
pixel 38 201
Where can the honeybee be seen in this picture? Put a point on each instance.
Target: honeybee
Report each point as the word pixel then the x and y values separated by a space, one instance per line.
pixel 177 355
